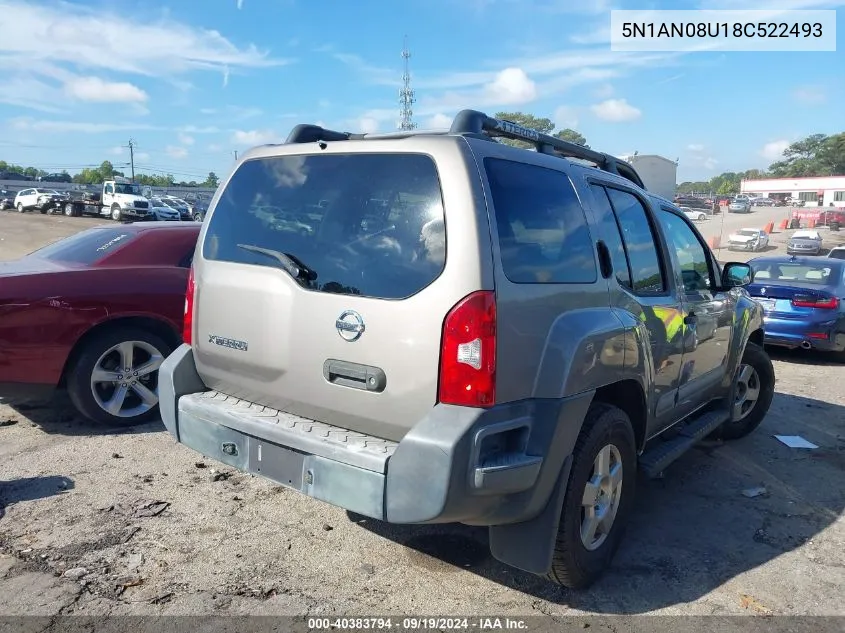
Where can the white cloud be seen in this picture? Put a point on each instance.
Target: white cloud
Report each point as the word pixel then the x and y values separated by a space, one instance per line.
pixel 438 122
pixel 599 35
pixel 66 44
pixel 566 117
pixel 710 163
pixel 140 157
pixel 512 86
pixel 100 91
pixel 603 92
pixel 184 139
pixel 176 152
pixel 26 124
pixel 251 138
pixel 616 110
pixel 367 125
pixel 240 4
pixel 371 73
pixel 810 95
pixel 215 147
pixel 695 147
pixel 117 151
pixel 774 151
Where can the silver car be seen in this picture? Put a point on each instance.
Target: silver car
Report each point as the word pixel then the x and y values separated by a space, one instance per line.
pixel 804 242
pixel 439 328
pixel 739 206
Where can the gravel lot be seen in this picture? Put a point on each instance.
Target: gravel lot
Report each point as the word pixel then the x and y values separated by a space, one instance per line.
pixel 98 521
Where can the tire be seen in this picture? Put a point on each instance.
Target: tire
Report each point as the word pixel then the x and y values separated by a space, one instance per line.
pixel 20 207
pixel 116 213
pixel 69 210
pixel 43 210
pixel 101 352
pixel 763 378
pixel 197 217
pixel 605 428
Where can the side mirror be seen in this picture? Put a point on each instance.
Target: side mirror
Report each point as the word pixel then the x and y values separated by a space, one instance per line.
pixel 736 274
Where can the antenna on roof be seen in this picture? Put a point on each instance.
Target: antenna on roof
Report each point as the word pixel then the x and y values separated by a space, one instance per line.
pixel 407 97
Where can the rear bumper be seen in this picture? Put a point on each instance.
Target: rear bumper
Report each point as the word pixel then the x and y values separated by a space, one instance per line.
pixel 824 337
pixel 445 469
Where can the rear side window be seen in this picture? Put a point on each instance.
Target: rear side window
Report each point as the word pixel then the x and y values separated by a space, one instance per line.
pixel 543 234
pixel 640 243
pixel 358 224
pixel 86 248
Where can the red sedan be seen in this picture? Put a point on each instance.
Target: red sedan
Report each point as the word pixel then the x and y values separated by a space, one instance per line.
pixel 96 314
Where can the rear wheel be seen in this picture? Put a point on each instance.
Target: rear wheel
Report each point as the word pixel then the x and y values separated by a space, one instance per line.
pixel 753 391
pixel 598 500
pixel 115 377
pixel 20 207
pixel 116 213
pixel 69 210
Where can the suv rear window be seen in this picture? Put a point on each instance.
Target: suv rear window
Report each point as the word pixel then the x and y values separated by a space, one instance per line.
pixel 86 248
pixel 360 224
pixel 543 234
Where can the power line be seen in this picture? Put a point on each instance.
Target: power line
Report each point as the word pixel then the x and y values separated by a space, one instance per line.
pixel 407 97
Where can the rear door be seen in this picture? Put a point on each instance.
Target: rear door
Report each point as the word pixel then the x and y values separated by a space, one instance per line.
pixel 323 278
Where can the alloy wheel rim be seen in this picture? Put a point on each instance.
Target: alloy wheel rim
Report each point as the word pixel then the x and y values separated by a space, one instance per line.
pixel 601 497
pixel 124 382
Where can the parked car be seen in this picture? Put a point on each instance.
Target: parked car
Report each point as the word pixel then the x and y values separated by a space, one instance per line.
pixel 179 205
pixel 804 242
pixel 95 314
pixel 739 205
pixel 7 199
pixel 837 252
pixel 801 299
pixel 696 216
pixel 160 210
pixel 748 240
pixel 502 386
pixel 763 202
pixel 829 216
pixel 41 199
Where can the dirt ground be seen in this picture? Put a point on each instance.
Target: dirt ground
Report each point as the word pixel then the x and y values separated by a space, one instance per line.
pixel 108 521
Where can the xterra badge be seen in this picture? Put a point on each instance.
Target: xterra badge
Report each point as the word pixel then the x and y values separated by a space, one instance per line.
pixel 231 343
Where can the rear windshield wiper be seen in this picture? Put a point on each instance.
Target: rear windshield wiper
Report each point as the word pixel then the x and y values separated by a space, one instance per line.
pixel 290 264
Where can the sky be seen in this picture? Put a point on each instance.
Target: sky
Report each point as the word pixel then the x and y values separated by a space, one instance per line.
pixel 193 82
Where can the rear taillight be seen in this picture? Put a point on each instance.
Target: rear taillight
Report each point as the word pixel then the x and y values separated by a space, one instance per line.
pixel 188 323
pixel 468 352
pixel 824 303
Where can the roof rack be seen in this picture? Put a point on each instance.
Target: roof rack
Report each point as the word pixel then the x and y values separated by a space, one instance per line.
pixel 472 122
pixel 477 124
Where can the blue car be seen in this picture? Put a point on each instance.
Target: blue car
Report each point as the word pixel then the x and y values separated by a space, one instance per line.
pixel 802 301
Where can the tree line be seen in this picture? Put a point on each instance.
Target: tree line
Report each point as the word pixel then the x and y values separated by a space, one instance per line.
pixel 816 155
pixel 106 171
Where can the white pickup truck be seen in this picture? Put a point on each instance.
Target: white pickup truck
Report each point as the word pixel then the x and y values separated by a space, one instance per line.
pixel 120 199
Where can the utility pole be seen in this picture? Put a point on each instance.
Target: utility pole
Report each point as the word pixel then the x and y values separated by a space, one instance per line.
pixel 236 155
pixel 132 157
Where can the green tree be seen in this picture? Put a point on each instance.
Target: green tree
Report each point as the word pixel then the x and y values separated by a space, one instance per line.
pixel 106 170
pixel 212 180
pixel 568 134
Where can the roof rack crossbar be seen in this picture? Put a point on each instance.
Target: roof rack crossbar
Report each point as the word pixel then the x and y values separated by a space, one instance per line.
pixel 475 123
pixel 305 133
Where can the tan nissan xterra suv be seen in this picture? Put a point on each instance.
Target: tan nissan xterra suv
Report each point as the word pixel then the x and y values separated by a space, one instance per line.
pixel 439 327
